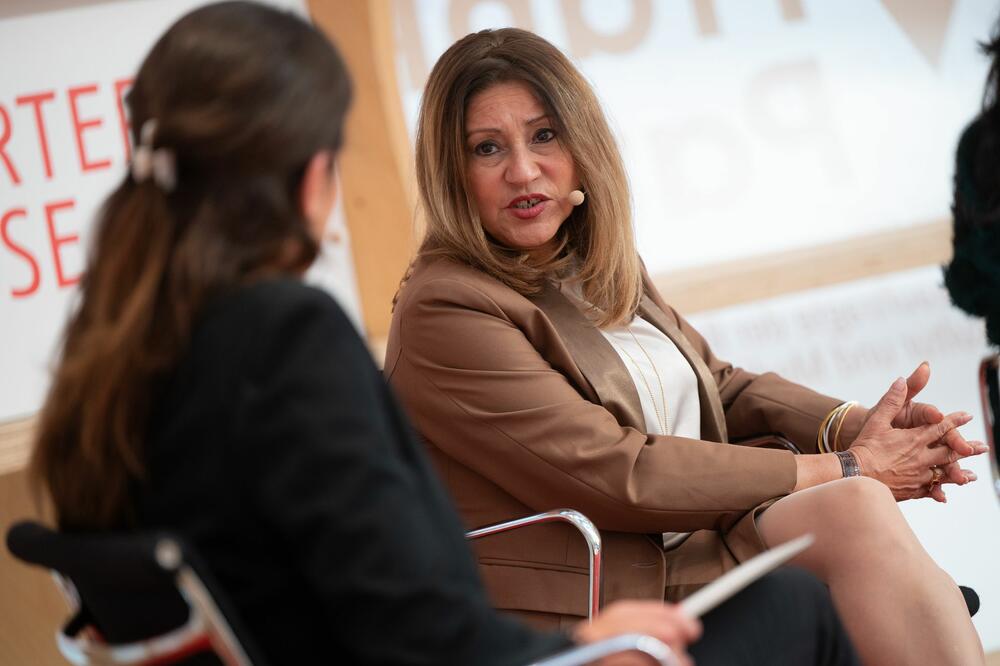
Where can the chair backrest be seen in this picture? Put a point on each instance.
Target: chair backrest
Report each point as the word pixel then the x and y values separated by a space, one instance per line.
pixel 143 595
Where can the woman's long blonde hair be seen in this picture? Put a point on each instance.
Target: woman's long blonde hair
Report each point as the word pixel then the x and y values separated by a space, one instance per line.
pixel 597 237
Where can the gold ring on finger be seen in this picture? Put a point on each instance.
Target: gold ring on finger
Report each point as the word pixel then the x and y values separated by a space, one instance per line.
pixel 936 475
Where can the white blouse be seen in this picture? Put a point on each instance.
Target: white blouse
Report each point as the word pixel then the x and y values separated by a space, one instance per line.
pixel 663 378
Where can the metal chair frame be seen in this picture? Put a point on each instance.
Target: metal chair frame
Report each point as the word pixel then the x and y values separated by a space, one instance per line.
pixel 577 520
pixel 592 536
pixel 206 624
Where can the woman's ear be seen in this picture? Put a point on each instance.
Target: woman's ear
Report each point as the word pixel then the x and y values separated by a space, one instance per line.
pixel 318 191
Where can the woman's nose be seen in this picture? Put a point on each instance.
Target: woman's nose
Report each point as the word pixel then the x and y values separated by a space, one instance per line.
pixel 522 167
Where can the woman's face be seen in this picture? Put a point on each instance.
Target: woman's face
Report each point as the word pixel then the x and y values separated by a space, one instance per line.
pixel 518 171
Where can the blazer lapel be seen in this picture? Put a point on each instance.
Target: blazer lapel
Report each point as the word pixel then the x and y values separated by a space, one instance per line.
pixel 713 417
pixel 594 356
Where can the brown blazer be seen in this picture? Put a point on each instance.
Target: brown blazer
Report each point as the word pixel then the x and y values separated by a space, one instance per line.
pixel 525 407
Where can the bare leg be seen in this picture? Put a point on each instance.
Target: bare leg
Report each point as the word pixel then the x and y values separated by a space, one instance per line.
pixel 898 606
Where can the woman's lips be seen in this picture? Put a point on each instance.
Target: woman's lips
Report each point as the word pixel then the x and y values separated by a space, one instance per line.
pixel 528 213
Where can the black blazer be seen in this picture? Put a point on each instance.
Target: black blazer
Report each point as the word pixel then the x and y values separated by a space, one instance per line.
pixel 278 451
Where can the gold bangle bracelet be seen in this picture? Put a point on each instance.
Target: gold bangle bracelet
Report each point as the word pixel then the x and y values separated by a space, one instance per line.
pixel 840 424
pixel 837 414
pixel 821 443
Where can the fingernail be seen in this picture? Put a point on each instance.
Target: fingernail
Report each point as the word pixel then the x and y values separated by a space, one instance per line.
pixel 924 363
pixel 971 476
pixel 899 383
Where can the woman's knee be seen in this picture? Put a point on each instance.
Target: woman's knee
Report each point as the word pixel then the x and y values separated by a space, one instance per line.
pixel 862 492
pixel 854 501
pixel 861 514
pixel 853 519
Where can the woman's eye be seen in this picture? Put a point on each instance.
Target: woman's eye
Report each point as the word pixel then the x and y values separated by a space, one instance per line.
pixel 486 148
pixel 545 135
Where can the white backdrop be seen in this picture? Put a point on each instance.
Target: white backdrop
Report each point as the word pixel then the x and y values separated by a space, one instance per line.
pixel 76 61
pixel 775 125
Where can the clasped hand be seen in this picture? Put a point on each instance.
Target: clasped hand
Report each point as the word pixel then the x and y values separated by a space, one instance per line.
pixel 912 447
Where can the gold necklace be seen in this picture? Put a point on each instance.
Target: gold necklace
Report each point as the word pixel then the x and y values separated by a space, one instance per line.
pixel 659 380
pixel 660 419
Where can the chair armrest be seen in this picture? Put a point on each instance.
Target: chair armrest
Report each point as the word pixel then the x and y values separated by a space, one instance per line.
pixel 205 629
pixel 185 640
pixel 577 520
pixel 774 440
pixel 657 651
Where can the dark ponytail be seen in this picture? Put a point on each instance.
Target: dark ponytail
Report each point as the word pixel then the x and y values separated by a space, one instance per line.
pixel 242 96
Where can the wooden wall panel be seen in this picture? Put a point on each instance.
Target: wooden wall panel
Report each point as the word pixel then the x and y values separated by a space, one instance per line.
pixel 31 608
pixel 756 278
pixel 376 165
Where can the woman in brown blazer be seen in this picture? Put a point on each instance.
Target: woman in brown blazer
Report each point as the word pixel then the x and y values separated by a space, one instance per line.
pixel 544 370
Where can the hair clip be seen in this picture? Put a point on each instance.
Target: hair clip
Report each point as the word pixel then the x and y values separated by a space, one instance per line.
pixel 158 163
